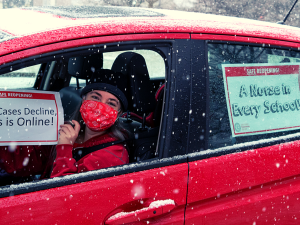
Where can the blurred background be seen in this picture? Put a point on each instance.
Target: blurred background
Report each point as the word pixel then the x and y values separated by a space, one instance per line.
pixel 266 10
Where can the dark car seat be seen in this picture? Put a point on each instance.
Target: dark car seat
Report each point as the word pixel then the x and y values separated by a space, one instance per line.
pixel 84 67
pixel 141 101
pixel 146 143
pixel 154 118
pixel 141 98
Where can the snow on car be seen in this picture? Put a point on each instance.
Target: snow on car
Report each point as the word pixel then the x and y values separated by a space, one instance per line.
pixel 213 116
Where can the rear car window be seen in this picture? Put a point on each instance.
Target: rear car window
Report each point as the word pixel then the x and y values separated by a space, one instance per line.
pixel 155 62
pixel 253 93
pixel 22 78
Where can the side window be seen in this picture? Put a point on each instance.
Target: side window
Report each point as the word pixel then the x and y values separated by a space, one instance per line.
pixel 22 78
pixel 146 68
pixel 73 82
pixel 155 62
pixel 253 93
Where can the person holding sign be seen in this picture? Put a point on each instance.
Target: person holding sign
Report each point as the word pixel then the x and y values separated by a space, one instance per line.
pixel 93 140
pixel 82 147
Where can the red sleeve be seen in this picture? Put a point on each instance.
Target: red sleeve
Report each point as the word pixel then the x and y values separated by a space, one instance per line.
pixel 24 160
pixel 64 163
pixel 111 156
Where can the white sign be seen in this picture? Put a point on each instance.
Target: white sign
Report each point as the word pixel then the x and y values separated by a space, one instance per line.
pixel 262 98
pixel 30 117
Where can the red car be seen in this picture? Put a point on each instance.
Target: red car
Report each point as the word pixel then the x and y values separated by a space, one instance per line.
pixel 213 109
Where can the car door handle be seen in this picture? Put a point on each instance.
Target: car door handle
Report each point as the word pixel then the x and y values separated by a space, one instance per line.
pixel 156 208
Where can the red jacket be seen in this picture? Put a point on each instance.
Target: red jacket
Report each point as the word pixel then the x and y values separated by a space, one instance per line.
pixel 65 164
pixel 24 161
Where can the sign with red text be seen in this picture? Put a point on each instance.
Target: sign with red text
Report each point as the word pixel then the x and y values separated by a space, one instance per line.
pixel 29 117
pixel 262 98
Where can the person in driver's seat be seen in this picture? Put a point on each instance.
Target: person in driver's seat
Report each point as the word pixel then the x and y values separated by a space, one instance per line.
pixel 102 105
pixel 96 123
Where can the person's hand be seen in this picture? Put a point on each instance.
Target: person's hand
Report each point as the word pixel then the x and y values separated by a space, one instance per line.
pixel 68 134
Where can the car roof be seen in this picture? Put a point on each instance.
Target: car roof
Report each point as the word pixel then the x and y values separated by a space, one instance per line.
pixel 23 28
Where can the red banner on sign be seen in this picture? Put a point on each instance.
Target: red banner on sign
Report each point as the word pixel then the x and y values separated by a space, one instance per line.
pixel 261 70
pixel 27 95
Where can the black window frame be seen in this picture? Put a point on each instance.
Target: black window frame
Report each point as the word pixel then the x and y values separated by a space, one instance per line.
pixel 198 148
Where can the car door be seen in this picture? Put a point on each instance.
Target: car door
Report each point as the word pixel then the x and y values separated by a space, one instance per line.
pixel 244 168
pixel 120 194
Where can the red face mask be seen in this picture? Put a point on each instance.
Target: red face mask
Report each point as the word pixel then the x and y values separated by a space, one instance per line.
pixel 97 115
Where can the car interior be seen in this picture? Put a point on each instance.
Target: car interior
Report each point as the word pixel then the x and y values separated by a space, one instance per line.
pixel 130 73
pixel 130 70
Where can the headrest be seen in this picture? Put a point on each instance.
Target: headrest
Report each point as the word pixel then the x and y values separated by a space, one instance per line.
pixel 141 96
pixel 83 67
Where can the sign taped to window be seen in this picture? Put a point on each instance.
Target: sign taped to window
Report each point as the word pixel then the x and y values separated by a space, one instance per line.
pixel 30 117
pixel 262 98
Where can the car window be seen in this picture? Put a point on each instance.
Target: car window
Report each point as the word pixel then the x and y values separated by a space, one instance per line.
pixel 155 63
pixel 73 81
pixel 253 93
pixel 21 78
pixel 81 67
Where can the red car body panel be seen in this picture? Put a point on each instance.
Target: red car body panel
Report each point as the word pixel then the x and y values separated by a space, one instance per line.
pixel 259 186
pixel 89 41
pixel 95 201
pixel 273 203
pixel 255 180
